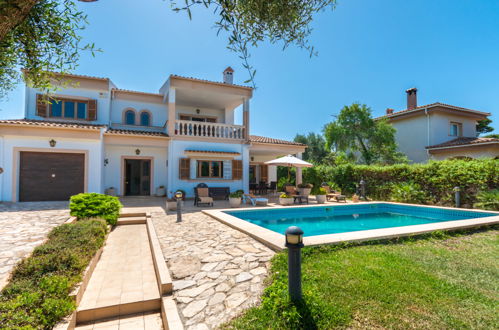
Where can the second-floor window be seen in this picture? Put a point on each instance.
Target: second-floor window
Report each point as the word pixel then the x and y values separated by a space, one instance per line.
pixel 68 109
pixel 456 129
pixel 145 118
pixel 199 118
pixel 130 117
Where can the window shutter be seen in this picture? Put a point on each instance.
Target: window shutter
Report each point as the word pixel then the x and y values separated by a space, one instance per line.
pixel 237 169
pixel 264 173
pixel 185 168
pixel 92 110
pixel 41 105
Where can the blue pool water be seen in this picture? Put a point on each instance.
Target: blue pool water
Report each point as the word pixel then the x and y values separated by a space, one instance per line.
pixel 345 218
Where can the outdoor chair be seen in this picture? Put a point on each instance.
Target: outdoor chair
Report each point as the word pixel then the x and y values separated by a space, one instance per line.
pixel 254 200
pixel 202 196
pixel 330 195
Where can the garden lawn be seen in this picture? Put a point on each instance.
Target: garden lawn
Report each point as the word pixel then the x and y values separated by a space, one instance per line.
pixel 440 281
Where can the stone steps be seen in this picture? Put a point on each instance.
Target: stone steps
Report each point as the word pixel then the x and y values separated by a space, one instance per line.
pixel 139 321
pixel 131 220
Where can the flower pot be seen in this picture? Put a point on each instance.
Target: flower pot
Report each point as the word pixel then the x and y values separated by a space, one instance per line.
pixel 160 192
pixel 286 201
pixel 171 205
pixel 321 199
pixel 304 191
pixel 110 192
pixel 234 201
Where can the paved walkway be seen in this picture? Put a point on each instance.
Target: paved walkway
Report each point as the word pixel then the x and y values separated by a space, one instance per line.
pixel 23 226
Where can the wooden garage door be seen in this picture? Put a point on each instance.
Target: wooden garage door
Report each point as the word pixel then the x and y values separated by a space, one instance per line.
pixel 50 176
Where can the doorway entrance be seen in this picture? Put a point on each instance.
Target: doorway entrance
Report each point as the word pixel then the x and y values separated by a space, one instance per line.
pixel 137 177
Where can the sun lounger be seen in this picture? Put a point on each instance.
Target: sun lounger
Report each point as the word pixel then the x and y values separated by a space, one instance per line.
pixel 254 200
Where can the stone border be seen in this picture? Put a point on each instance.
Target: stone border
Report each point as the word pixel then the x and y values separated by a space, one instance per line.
pixel 170 315
pixel 276 241
pixel 162 273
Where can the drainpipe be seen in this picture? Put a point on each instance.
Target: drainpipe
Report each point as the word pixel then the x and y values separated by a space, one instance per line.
pixel 428 131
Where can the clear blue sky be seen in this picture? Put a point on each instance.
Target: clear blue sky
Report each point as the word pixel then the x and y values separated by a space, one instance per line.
pixel 369 52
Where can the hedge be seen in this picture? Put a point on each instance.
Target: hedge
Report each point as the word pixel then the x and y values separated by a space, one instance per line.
pixel 93 205
pixel 37 296
pixel 435 178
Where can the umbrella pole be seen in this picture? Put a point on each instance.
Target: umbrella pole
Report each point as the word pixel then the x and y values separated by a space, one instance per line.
pixel 289 177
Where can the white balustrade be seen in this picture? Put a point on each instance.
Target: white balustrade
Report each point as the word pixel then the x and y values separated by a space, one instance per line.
pixel 209 130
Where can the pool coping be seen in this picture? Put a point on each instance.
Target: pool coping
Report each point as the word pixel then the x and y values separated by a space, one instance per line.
pixel 276 241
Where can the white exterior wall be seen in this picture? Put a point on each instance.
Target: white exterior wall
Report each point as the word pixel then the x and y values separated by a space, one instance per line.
pixel 272 170
pixel 103 102
pixel 185 110
pixel 114 170
pixel 176 151
pixel 441 127
pixel 412 137
pixel 93 165
pixel 159 112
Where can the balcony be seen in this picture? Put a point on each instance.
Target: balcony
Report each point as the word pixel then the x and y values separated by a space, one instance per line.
pixel 209 130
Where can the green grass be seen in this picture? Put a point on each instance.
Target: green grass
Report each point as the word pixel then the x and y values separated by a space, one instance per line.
pixel 37 296
pixel 440 281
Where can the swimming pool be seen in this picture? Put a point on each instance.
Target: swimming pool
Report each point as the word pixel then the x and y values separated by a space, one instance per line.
pixel 331 224
pixel 347 218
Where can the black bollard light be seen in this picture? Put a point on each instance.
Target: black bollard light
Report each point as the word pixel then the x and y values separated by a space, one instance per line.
pixel 178 197
pixel 457 196
pixel 294 243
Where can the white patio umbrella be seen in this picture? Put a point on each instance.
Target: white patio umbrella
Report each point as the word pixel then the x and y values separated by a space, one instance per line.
pixel 289 161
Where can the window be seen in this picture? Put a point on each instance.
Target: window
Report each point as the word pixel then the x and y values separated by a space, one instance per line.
pixel 68 109
pixel 130 117
pixel 145 118
pixel 210 169
pixel 199 118
pixel 456 129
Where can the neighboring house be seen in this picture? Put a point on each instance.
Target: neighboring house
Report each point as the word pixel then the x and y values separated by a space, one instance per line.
pixel 439 131
pixel 97 136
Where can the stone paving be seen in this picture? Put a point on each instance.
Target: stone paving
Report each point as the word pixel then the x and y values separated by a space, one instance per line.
pixel 23 226
pixel 217 271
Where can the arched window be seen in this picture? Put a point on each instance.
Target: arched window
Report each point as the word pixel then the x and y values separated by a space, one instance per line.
pixel 145 118
pixel 129 117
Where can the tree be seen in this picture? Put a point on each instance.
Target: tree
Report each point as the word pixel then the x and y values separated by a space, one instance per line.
pixel 483 126
pixel 494 136
pixel 355 131
pixel 316 151
pixel 41 37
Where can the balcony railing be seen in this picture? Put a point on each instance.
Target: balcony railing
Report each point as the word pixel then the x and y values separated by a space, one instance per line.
pixel 210 130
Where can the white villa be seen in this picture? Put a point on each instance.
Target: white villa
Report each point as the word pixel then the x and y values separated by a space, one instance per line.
pixel 438 131
pixel 94 136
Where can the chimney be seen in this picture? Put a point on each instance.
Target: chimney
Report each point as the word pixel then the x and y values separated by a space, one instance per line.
pixel 389 111
pixel 412 99
pixel 228 75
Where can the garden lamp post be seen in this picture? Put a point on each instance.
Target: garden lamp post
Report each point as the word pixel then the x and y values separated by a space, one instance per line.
pixel 178 197
pixel 294 243
pixel 457 196
pixel 362 185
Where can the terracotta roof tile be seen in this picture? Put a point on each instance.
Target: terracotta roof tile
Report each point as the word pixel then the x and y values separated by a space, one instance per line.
pixel 46 123
pixel 214 152
pixel 263 139
pixel 433 105
pixel 135 92
pixel 135 132
pixel 210 81
pixel 464 141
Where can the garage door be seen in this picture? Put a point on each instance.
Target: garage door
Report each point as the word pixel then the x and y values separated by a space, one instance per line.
pixel 50 176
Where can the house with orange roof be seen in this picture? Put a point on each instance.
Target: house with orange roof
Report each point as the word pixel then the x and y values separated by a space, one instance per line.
pixel 91 136
pixel 439 131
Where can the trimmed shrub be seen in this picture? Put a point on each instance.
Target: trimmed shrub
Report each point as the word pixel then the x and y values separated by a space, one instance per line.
pixel 37 296
pixel 488 200
pixel 408 193
pixel 93 205
pixel 436 178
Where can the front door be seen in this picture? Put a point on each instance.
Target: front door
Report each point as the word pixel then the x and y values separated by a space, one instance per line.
pixel 137 177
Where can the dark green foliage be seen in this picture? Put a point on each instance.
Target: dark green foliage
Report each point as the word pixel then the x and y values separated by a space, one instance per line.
pixel 483 126
pixel 436 179
pixel 408 193
pixel 488 200
pixel 37 296
pixel 316 151
pixel 93 205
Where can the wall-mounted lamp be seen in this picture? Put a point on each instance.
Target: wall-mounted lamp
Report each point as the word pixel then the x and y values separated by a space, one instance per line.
pixel 198 111
pixel 106 161
pixel 52 143
pixel 252 158
pixel 137 152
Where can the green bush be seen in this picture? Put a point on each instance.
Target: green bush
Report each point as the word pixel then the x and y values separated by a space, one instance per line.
pixel 408 193
pixel 37 296
pixel 93 205
pixel 488 200
pixel 436 178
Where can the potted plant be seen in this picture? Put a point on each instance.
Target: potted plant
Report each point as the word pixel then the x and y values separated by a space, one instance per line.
pixel 160 191
pixel 235 199
pixel 321 196
pixel 111 191
pixel 171 204
pixel 304 189
pixel 285 199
